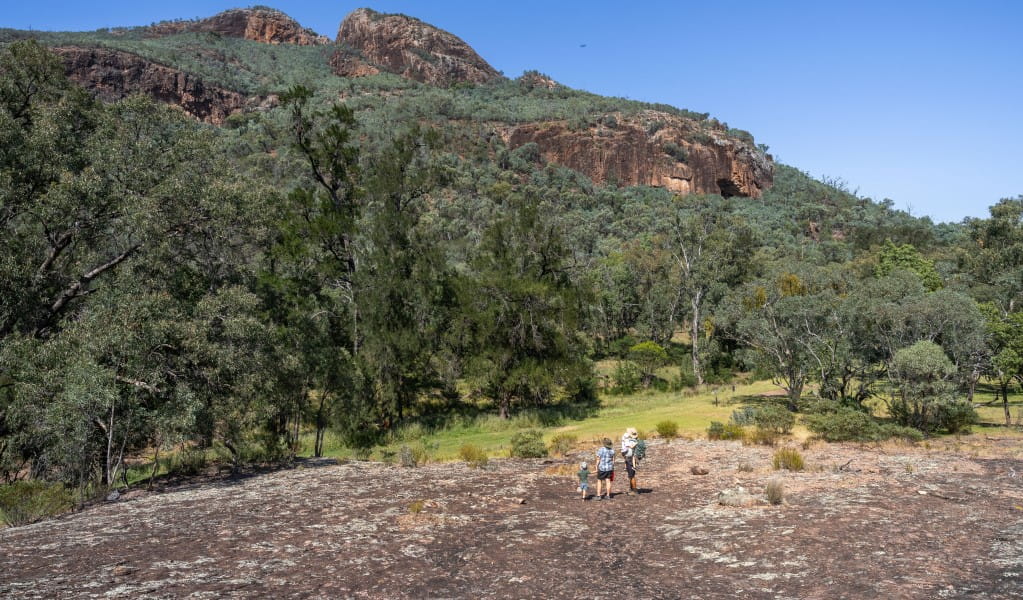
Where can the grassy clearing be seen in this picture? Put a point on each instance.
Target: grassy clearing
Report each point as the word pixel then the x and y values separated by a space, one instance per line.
pixel 693 411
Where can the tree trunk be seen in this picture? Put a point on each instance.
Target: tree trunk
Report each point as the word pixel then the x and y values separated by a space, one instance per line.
pixel 694 333
pixel 1005 403
pixel 503 406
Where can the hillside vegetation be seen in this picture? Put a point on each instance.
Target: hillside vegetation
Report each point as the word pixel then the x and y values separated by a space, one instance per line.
pixel 367 255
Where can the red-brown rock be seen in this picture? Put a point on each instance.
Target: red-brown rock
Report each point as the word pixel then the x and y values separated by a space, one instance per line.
pixel 399 44
pixel 258 24
pixel 652 148
pixel 112 75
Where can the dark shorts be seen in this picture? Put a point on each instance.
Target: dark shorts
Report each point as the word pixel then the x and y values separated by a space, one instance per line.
pixel 630 466
pixel 602 475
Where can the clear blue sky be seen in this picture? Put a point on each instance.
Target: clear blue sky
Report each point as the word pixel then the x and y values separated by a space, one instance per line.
pixel 916 101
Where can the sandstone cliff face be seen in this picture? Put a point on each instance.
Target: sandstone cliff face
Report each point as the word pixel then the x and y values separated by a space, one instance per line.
pixel 655 149
pixel 257 24
pixel 370 42
pixel 112 75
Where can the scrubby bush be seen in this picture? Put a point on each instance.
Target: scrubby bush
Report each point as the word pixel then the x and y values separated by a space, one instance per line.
pixel 190 461
pixel 407 457
pixel 744 416
pixel 789 459
pixel 775 491
pixel 955 416
pixel 562 443
pixel 24 502
pixel 725 431
pixel 667 429
pixel 761 436
pixel 528 444
pixel 774 418
pixel 843 426
pixel 627 377
pixel 473 455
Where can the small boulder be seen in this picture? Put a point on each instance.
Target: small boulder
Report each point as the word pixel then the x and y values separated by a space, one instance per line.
pixel 698 470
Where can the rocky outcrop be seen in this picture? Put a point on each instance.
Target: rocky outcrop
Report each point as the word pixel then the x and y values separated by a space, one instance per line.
pixel 257 24
pixel 399 44
pixel 653 148
pixel 112 75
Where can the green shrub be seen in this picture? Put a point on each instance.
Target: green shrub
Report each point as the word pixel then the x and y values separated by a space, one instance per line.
pixel 955 416
pixel 891 430
pixel 562 443
pixel 473 455
pixel 627 377
pixel 774 418
pixel 744 416
pixel 24 502
pixel 789 459
pixel 422 451
pixel 667 429
pixel 843 426
pixel 775 491
pixel 528 444
pixel 190 461
pixel 416 506
pixel 725 431
pixel 761 436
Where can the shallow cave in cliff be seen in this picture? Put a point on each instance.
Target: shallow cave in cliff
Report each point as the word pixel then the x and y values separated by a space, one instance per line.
pixel 728 188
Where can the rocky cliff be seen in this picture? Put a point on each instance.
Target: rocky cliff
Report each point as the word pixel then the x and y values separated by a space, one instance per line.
pixel 370 42
pixel 112 75
pixel 258 24
pixel 653 148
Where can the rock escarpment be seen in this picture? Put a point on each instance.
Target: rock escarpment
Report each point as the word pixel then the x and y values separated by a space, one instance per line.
pixel 257 24
pixel 112 75
pixel 370 42
pixel 655 149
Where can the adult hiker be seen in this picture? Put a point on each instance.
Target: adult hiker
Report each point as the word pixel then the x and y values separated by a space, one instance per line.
pixel 629 441
pixel 605 468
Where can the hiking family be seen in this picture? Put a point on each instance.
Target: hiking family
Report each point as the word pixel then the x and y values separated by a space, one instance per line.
pixel 632 449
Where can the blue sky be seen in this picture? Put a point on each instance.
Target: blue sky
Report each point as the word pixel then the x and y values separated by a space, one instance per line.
pixel 915 101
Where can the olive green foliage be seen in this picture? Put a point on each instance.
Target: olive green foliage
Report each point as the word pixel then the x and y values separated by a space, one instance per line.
pixel 562 443
pixel 473 455
pixel 850 425
pixel 725 431
pixel 907 257
pixel 667 429
pixel 627 377
pixel 924 392
pixel 24 502
pixel 774 418
pixel 528 444
pixel 648 356
pixel 789 459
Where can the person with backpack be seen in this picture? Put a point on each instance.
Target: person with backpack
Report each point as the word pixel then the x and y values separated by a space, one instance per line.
pixel 630 444
pixel 605 468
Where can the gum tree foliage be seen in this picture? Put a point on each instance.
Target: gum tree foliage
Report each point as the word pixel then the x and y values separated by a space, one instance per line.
pixel 993 257
pixel 117 221
pixel 712 251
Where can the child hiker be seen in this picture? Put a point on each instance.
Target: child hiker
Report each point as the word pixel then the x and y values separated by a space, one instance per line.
pixel 584 476
pixel 605 467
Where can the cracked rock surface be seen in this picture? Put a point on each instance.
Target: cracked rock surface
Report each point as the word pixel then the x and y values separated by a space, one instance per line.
pixel 883 522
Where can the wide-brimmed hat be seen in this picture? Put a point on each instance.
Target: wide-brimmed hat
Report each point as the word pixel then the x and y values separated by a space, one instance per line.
pixel 631 432
pixel 608 443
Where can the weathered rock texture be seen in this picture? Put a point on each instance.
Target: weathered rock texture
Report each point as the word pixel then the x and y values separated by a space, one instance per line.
pixel 257 24
pixel 370 41
pixel 903 523
pixel 653 148
pixel 112 75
